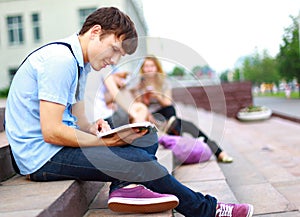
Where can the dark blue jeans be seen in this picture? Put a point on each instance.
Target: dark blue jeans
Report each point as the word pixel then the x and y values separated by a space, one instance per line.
pixel 135 163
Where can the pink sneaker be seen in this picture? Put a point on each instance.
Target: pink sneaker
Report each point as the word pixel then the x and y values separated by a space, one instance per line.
pixel 140 200
pixel 234 210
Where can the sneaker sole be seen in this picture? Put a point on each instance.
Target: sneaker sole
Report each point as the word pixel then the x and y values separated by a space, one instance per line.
pixel 250 211
pixel 141 206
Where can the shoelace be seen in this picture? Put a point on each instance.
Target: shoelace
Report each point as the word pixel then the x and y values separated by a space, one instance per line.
pixel 224 210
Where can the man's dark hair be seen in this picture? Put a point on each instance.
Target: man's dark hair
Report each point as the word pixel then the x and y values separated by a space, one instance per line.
pixel 113 21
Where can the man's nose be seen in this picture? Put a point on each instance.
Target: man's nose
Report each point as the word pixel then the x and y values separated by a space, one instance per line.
pixel 115 59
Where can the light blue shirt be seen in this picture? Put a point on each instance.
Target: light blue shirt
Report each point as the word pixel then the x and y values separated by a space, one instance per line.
pixel 48 74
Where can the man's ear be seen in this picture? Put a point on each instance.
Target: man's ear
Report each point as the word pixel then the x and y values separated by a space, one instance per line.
pixel 95 31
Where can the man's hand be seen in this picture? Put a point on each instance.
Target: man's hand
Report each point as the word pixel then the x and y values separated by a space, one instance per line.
pixel 123 137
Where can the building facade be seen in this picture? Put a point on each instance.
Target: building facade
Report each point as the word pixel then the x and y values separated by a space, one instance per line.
pixel 28 24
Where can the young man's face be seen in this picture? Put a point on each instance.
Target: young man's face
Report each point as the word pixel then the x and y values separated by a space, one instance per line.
pixel 105 50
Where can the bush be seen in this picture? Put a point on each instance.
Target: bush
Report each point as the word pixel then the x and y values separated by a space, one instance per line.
pixel 4 92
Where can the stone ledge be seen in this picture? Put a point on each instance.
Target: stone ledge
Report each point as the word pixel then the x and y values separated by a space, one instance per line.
pixel 3 140
pixel 226 98
pixel 6 168
pixel 285 116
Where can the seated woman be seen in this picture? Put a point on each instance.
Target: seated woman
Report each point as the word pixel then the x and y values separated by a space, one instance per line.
pixel 155 92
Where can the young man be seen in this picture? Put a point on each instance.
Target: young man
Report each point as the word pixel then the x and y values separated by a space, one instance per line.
pixel 51 139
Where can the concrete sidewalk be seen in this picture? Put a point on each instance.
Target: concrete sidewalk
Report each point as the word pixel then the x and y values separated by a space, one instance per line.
pixel 282 106
pixel 265 171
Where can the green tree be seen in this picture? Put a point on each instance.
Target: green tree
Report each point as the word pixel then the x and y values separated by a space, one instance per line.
pixel 259 68
pixel 224 76
pixel 196 69
pixel 289 55
pixel 237 75
pixel 178 71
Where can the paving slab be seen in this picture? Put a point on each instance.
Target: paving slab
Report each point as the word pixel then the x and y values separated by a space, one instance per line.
pixel 241 171
pixel 264 197
pixel 265 171
pixel 205 171
pixel 290 190
pixel 219 189
pixel 281 214
pixel 265 155
pixel 267 163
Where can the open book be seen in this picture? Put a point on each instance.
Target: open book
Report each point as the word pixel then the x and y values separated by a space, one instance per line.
pixel 141 125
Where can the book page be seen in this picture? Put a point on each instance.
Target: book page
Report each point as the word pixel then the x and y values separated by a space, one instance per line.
pixel 141 125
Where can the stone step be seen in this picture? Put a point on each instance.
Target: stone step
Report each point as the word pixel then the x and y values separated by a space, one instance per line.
pixel 166 158
pixel 207 178
pixel 6 169
pixel 45 198
pixel 20 197
pixel 108 213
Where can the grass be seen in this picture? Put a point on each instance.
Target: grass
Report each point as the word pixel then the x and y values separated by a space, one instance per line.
pixel 294 95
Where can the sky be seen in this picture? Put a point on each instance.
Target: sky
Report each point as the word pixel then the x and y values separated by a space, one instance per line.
pixel 222 31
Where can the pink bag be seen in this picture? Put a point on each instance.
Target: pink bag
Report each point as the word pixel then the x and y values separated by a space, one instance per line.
pixel 186 150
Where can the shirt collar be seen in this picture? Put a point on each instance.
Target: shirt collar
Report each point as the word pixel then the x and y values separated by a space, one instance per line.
pixel 73 40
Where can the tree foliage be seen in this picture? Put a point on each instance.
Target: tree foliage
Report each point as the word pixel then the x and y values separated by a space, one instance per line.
pixel 224 76
pixel 178 71
pixel 258 68
pixel 289 55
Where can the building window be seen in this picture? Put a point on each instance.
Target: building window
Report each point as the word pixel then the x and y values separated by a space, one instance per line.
pixel 15 30
pixel 35 19
pixel 83 13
